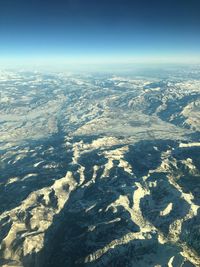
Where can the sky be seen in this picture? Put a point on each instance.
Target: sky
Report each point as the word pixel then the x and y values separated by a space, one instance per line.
pixel 99 30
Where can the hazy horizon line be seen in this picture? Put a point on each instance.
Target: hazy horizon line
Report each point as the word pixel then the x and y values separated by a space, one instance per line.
pixel 93 63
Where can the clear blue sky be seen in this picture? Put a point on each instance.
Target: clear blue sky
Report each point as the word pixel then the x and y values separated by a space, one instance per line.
pixel 99 29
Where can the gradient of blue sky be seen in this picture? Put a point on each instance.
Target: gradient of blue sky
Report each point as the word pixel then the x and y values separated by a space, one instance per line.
pixel 99 28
